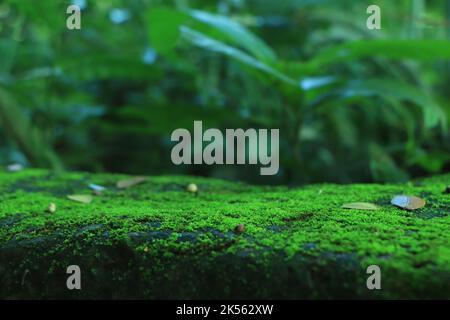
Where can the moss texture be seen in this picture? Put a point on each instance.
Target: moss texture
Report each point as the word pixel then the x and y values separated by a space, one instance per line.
pixel 156 240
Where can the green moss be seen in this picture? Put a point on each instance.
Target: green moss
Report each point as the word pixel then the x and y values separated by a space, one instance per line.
pixel 298 242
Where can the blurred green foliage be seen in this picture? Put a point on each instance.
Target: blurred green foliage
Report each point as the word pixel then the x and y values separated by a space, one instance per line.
pixel 352 104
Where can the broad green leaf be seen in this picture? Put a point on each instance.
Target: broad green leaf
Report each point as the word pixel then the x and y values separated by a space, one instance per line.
pixel 360 206
pixel 201 40
pixel 236 33
pixel 312 83
pixel 383 167
pixel 28 137
pixel 106 66
pixel 432 161
pixel 7 54
pixel 164 24
pixel 396 49
pixel 158 119
pixel 386 88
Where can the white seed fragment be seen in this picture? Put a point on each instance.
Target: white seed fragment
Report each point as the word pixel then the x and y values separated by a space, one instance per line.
pixel 192 187
pixel 51 208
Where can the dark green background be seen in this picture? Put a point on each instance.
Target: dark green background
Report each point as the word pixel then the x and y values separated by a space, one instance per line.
pixel 352 104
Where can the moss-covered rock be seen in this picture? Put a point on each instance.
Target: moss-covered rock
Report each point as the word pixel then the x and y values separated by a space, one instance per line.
pixel 157 240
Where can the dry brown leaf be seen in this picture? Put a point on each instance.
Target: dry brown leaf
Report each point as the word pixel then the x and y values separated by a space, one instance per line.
pixel 408 202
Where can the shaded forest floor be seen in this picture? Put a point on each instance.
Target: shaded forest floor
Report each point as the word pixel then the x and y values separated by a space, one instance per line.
pixel 157 240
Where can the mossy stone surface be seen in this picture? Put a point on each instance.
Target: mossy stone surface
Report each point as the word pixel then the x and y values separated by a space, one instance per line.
pixel 157 240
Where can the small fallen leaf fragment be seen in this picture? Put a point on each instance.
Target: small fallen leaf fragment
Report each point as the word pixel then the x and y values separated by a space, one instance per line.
pixel 192 187
pixel 360 206
pixel 146 249
pixel 127 183
pixel 15 167
pixel 240 228
pixel 51 207
pixel 83 198
pixel 96 187
pixel 408 202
